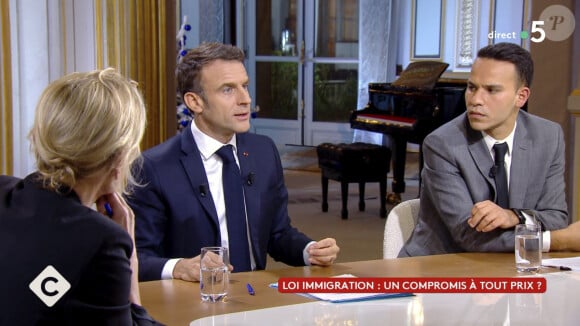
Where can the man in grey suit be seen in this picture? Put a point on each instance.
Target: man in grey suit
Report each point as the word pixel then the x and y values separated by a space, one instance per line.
pixel 461 210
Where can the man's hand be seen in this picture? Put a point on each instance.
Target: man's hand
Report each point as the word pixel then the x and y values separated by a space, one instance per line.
pixel 323 252
pixel 487 216
pixel 566 239
pixel 187 269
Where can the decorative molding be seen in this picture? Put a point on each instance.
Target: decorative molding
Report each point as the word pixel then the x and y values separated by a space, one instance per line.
pixel 491 19
pixel 526 22
pixel 436 54
pixel 467 31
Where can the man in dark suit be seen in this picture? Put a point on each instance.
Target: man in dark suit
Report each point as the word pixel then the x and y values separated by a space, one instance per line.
pixel 183 205
pixel 461 203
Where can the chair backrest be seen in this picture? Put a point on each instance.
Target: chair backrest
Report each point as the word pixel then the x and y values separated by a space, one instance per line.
pixel 399 226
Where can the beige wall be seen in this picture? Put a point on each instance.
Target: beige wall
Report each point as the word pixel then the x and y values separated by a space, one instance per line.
pixel 553 72
pixel 553 75
pixel 574 109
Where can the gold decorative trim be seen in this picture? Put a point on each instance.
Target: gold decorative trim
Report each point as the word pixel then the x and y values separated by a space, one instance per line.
pixel 99 33
pixel 163 64
pixel 112 28
pixel 6 138
pixel 386 122
pixel 123 37
pixel 63 32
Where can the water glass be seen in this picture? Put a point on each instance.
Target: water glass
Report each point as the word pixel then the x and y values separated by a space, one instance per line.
pixel 214 274
pixel 528 247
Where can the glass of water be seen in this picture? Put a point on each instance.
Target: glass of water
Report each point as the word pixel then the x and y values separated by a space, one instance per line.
pixel 528 247
pixel 214 274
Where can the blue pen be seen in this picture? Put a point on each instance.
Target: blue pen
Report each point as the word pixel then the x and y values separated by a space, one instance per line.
pixel 250 289
pixel 109 210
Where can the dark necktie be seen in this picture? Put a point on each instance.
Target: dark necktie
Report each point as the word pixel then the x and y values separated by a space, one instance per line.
pixel 235 211
pixel 501 184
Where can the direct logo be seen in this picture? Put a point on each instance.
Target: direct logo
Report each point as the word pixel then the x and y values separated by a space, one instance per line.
pixel 49 286
pixel 556 23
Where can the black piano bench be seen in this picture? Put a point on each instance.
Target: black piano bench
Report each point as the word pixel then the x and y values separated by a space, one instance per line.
pixel 356 162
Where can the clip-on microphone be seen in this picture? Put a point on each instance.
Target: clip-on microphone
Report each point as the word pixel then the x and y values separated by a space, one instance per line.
pixel 250 179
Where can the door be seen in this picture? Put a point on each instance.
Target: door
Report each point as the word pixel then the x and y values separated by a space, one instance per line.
pixel 304 56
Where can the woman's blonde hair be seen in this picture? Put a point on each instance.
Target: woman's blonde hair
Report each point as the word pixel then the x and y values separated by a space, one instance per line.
pixel 86 122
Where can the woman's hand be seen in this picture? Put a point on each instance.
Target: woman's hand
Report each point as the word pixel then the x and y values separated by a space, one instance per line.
pixel 121 213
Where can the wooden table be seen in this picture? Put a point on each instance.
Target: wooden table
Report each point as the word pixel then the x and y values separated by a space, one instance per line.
pixel 176 302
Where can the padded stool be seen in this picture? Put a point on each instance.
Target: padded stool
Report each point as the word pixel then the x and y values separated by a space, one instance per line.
pixel 356 162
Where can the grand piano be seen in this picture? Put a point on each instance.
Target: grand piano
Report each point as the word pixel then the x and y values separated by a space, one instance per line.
pixel 408 109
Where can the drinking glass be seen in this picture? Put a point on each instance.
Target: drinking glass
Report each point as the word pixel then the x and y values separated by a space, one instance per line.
pixel 214 274
pixel 528 247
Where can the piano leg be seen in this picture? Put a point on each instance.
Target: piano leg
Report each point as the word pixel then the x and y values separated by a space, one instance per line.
pixel 420 167
pixel 344 195
pixel 383 194
pixel 324 193
pixel 399 158
pixel 361 196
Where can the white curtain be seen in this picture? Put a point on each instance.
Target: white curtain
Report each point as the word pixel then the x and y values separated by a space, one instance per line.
pixel 37 39
pixel 378 30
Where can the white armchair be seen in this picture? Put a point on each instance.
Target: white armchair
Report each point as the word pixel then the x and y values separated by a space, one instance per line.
pixel 399 226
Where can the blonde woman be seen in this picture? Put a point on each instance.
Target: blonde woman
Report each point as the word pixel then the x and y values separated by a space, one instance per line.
pixel 63 262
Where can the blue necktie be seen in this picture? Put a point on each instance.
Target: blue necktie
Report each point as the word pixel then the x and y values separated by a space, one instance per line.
pixel 501 184
pixel 235 211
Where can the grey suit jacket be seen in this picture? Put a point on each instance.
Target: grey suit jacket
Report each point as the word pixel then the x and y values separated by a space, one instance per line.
pixel 456 176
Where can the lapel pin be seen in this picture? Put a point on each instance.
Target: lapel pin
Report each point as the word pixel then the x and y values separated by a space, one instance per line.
pixel 245 154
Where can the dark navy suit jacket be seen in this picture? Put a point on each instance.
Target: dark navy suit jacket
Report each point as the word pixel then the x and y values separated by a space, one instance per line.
pixel 176 216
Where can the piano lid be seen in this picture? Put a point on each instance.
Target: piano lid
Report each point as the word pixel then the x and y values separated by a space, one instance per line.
pixel 421 74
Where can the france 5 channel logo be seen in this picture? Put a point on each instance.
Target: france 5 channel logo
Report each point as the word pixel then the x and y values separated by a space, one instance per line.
pixel 556 23
pixel 49 286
